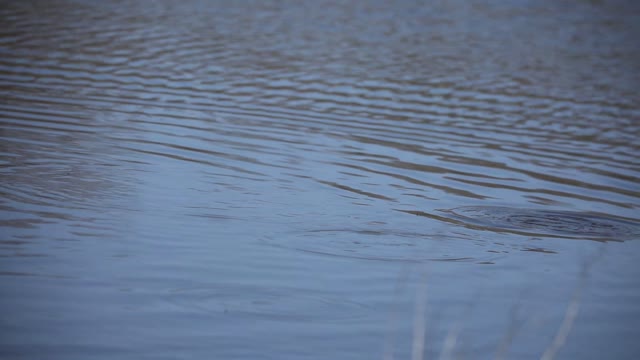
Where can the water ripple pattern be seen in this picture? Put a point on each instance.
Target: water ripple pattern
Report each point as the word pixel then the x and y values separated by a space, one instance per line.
pixel 154 145
pixel 379 244
pixel 549 223
pixel 264 302
pixel 217 93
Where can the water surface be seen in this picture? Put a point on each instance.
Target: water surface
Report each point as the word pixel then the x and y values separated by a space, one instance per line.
pixel 308 180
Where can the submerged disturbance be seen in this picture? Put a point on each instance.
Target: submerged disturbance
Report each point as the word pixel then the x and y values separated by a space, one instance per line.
pixel 548 223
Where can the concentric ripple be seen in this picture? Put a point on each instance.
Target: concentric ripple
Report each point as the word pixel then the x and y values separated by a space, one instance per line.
pixel 548 223
pixel 385 245
pixel 266 302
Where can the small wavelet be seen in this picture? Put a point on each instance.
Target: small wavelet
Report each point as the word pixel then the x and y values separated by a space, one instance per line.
pixel 550 223
pixel 385 245
pixel 266 302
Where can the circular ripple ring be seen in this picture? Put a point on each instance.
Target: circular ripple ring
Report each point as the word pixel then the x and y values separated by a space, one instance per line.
pixel 548 223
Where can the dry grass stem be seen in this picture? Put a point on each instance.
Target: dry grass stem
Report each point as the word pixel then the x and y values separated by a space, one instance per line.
pixel 419 322
pixel 389 344
pixel 572 311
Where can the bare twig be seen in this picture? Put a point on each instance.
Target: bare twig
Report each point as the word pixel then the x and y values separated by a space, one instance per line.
pixel 419 322
pixel 514 326
pixel 450 341
pixel 389 343
pixel 572 310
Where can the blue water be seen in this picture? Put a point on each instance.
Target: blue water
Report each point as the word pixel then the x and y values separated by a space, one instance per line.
pixel 316 180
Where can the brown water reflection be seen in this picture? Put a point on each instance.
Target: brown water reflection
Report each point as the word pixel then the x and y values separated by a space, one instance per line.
pixel 202 179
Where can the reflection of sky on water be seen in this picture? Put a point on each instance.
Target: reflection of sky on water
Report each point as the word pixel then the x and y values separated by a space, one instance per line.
pixel 195 180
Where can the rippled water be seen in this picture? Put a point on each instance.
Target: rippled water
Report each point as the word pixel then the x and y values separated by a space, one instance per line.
pixel 283 180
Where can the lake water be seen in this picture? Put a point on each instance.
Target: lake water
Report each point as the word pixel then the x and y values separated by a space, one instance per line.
pixel 319 180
